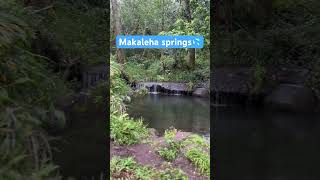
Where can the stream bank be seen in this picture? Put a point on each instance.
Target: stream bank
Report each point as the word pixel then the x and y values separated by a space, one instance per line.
pixel 279 88
pixel 146 154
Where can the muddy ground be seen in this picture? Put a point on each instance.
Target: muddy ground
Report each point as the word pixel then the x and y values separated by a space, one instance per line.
pixel 146 154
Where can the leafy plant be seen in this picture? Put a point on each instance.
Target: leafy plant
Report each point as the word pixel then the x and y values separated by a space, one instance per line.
pixel 200 159
pixel 196 139
pixel 171 150
pixel 170 134
pixel 127 168
pixel 169 153
pixel 125 130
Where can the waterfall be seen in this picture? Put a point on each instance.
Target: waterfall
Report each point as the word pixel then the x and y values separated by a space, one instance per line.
pixel 177 93
pixel 154 89
pixel 219 99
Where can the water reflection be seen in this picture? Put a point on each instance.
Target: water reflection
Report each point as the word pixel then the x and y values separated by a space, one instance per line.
pixel 182 112
pixel 254 144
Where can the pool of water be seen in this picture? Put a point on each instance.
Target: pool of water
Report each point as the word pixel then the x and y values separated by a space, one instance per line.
pixel 256 144
pixel 161 112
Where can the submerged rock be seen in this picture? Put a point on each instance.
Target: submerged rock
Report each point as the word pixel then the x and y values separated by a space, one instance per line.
pixel 290 97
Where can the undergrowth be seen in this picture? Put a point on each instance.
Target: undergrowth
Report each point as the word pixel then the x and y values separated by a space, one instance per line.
pixel 127 168
pixel 123 129
pixel 200 159
pixel 165 70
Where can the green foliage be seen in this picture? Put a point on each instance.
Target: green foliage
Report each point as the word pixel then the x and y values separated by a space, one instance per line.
pixel 13 31
pixel 165 17
pixel 127 168
pixel 125 130
pixel 169 153
pixel 200 159
pixel 173 173
pixel 171 150
pixel 170 134
pixel 287 36
pixel 28 91
pixel 153 70
pixel 141 92
pixel 196 139
pixel 118 165
pixel 78 29
pixel 118 88
pixel 198 25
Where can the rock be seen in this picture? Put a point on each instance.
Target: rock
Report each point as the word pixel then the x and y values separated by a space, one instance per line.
pixel 290 97
pixel 153 132
pixel 181 135
pixel 291 75
pixel 231 79
pixel 165 87
pixel 201 92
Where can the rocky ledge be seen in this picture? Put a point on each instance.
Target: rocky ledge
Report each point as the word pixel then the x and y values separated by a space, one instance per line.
pixel 174 88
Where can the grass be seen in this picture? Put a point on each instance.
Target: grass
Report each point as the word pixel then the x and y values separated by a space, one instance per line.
pixel 196 153
pixel 128 168
pixel 200 159
pixel 171 151
pixel 196 139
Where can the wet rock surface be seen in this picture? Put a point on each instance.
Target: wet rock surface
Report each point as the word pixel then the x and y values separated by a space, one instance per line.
pixel 165 87
pixel 201 92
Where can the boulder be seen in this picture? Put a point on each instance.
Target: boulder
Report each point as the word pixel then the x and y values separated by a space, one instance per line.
pixel 201 92
pixel 290 97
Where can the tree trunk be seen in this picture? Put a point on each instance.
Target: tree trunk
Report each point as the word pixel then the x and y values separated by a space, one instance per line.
pixel 117 27
pixel 191 52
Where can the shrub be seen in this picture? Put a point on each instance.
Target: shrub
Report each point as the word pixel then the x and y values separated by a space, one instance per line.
pixel 200 159
pixel 196 139
pixel 172 149
pixel 127 168
pixel 125 130
pixel 169 153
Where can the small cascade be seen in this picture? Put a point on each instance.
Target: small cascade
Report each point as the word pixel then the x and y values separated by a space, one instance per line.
pixel 177 93
pixel 154 90
pixel 175 89
pixel 222 99
pixel 219 99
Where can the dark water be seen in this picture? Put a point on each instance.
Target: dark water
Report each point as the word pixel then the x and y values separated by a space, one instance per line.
pixel 182 112
pixel 255 144
pixel 83 144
